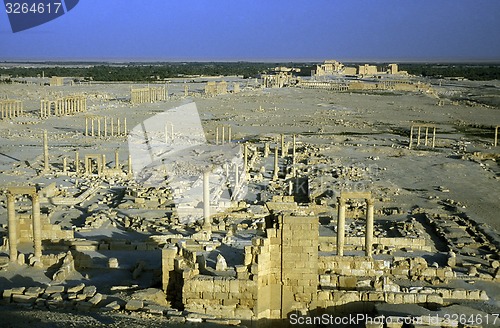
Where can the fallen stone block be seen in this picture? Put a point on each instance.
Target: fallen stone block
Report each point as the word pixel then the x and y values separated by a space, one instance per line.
pixel 134 305
pixel 77 288
pixel 154 295
pixel 89 291
pixel 154 309
pixel 18 298
pixel 57 297
pixel 54 289
pixel 113 306
pixel 33 291
pixel 95 299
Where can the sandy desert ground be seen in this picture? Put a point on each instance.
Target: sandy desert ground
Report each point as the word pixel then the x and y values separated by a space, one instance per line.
pixel 369 131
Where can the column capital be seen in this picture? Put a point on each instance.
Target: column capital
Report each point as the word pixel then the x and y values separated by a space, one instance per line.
pixel 341 200
pixel 370 201
pixel 35 196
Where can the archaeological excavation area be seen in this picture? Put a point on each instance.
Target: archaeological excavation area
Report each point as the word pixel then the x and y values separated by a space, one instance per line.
pixel 231 201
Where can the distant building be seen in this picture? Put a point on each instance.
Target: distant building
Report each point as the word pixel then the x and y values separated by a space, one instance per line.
pixel 56 81
pixel 367 69
pixel 329 67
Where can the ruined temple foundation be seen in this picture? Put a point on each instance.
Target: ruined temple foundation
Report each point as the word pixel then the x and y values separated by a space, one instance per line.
pixel 12 221
pixel 341 205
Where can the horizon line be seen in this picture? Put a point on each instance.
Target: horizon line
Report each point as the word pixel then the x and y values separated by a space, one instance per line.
pixel 112 60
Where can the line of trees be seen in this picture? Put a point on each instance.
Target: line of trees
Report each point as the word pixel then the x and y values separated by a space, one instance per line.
pixel 478 72
pixel 143 72
pixel 148 72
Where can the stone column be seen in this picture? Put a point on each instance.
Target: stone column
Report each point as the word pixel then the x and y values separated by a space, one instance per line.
pixel 369 227
pixel 37 225
pixel 86 126
pixel 125 126
pixel 105 126
pixel 103 161
pixel 65 165
pixel 99 127
pixel 266 149
pixel 112 127
pixel 118 127
pixel 411 137
pixel 496 136
pixel 206 201
pixel 418 137
pixel 11 213
pixel 92 127
pixel 433 137
pixel 223 133
pixel 45 151
pixel 340 226
pixel 245 159
pixel 77 162
pixel 276 166
pixel 217 135
pixel 117 163
pixel 229 134
pixel 426 135
pixel 282 145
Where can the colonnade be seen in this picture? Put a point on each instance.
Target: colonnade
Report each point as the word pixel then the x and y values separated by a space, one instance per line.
pixel 148 95
pixel 420 127
pixel 10 108
pixel 63 106
pixel 221 131
pixel 105 126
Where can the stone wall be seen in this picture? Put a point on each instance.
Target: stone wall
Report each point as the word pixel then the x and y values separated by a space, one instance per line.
pixel 49 231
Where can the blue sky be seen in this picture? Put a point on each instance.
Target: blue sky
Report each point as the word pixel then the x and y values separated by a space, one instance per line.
pixel 263 30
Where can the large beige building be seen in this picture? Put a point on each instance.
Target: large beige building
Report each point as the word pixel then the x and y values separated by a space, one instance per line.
pixel 329 67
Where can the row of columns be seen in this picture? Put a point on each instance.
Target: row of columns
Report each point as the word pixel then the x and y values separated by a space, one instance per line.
pixel 341 204
pixel 11 108
pixel 101 163
pixel 222 129
pixel 148 95
pixel 420 126
pixel 63 106
pixel 284 153
pixel 99 127
pixel 102 159
pixel 12 222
